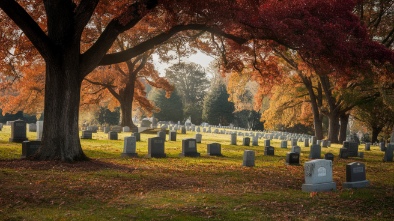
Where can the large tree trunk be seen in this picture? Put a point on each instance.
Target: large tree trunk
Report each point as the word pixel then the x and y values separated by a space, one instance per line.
pixel 126 106
pixel 333 127
pixel 60 139
pixel 344 119
pixel 375 133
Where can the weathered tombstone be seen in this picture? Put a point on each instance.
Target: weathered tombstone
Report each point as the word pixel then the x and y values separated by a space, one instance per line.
pixel 126 129
pixel 306 143
pixel 355 176
pixel 367 146
pixel 162 135
pixel 129 147
pixel 293 142
pixel 107 129
pixel 324 143
pixel 329 156
pixel 315 152
pixel 248 159
pixel 117 129
pixel 32 127
pixel 198 138
pixel 214 149
pixel 146 123
pixel 318 176
pixel 313 140
pixel 29 148
pixel 382 146
pixel 189 148
pixel 171 135
pixel 283 144
pixel 137 136
pixel 255 141
pixel 156 147
pixel 93 129
pixel 86 134
pixel 267 143
pixel 39 129
pixel 112 135
pixel 296 149
pixel 388 153
pixel 292 158
pixel 246 141
pixel 269 151
pixel 183 130
pixel 233 139
pixel 343 153
pixel 18 131
pixel 352 148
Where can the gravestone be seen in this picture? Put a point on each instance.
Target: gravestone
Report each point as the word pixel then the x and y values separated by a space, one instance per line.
pixel 162 135
pixel 352 148
pixel 382 146
pixel 267 143
pixel 172 135
pixel 29 148
pixel 355 176
pixel 112 135
pixel 126 129
pixel 198 138
pixel 367 146
pixel 156 147
pixel 318 176
pixel 117 129
pixel 129 147
pixel 93 129
pixel 189 148
pixel 269 151
pixel 293 142
pixel 86 134
pixel 32 127
pixel 39 129
pixel 283 144
pixel 107 129
pixel 255 141
pixel 146 123
pixel 329 156
pixel 324 143
pixel 306 143
pixel 388 153
pixel 292 158
pixel 246 141
pixel 313 140
pixel 18 131
pixel 296 149
pixel 183 130
pixel 137 136
pixel 233 139
pixel 343 153
pixel 214 149
pixel 315 152
pixel 248 158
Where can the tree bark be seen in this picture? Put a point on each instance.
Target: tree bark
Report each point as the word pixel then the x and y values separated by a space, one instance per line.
pixel 375 133
pixel 344 119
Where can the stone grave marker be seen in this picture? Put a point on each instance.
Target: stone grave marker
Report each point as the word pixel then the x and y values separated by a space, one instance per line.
pixel 156 147
pixel 292 158
pixel 367 146
pixel 343 153
pixel 313 140
pixel 29 148
pixel 388 153
pixel 318 176
pixel 112 135
pixel 324 143
pixel 107 129
pixel 183 130
pixel 283 144
pixel 329 156
pixel 296 149
pixel 172 135
pixel 86 134
pixel 126 129
pixel 18 131
pixel 117 129
pixel 306 143
pixel 382 146
pixel 293 142
pixel 233 139
pixel 246 141
pixel 189 148
pixel 315 152
pixel 137 136
pixel 198 138
pixel 267 143
pixel 248 158
pixel 355 176
pixel 352 148
pixel 129 147
pixel 269 151
pixel 214 149
pixel 32 127
pixel 255 141
pixel 162 135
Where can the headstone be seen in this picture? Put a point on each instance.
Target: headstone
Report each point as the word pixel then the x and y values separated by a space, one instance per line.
pixel 382 146
pixel 324 143
pixel 352 148
pixel 146 123
pixel 293 142
pixel 355 176
pixel 255 141
pixel 32 127
pixel 343 153
pixel 267 143
pixel 246 141
pixel 269 151
pixel 283 144
pixel 183 130
pixel 292 158
pixel 306 143
pixel 86 134
pixel 367 146
pixel 318 176
pixel 112 135
pixel 315 152
pixel 189 148
pixel 107 129
pixel 296 149
pixel 162 135
pixel 137 136
pixel 388 153
pixel 329 156
pixel 39 129
pixel 156 147
pixel 18 131
pixel 248 159
pixel 93 129
pixel 129 147
pixel 29 148
pixel 214 149
pixel 233 139
pixel 198 138
pixel 171 135
pixel 117 129
pixel 313 140
pixel 126 129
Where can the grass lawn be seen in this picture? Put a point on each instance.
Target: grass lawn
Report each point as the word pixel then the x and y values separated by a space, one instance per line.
pixel 109 187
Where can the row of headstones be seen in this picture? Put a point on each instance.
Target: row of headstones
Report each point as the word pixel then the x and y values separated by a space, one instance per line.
pixel 18 130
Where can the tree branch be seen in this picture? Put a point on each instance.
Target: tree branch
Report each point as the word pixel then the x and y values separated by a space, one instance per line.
pixel 82 15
